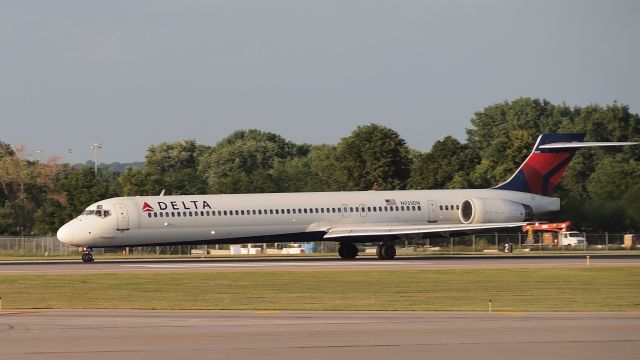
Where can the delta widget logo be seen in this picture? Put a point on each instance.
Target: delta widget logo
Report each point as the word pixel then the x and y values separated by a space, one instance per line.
pixel 146 207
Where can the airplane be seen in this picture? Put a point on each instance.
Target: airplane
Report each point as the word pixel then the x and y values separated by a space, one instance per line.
pixel 348 217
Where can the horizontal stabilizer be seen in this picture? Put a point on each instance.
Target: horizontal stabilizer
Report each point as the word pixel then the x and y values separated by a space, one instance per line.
pixel 566 145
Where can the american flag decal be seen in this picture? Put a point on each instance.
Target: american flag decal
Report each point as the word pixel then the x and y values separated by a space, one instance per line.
pixel 390 202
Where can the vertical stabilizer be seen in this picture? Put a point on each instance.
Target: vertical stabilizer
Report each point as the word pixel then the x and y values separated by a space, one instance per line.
pixel 541 171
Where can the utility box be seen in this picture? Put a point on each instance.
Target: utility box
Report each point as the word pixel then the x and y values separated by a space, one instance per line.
pixel 630 241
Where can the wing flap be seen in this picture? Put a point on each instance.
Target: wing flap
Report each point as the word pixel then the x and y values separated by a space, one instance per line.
pixel 381 230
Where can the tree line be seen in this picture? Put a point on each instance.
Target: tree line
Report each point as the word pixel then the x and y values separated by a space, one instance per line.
pixel 599 192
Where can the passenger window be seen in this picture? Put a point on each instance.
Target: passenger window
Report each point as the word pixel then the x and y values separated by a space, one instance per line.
pixel 402 208
pixel 271 211
pixel 237 212
pixel 457 207
pixel 148 214
pixel 190 213
pixel 241 212
pixel 155 215
pixel 184 213
pixel 288 211
pixel 161 214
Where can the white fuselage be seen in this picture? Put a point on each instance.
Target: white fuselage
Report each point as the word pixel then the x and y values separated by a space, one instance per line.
pixel 245 218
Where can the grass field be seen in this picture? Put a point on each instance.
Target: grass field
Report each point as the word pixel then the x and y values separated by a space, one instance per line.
pixel 580 289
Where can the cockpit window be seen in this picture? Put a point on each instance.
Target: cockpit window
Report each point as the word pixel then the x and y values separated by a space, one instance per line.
pixel 99 213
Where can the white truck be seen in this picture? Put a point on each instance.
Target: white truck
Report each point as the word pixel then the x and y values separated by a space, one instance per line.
pixel 571 239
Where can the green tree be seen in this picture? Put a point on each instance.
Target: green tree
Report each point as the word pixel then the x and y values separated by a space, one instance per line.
pixel 249 161
pixel 447 161
pixel 172 167
pixel 314 172
pixel 80 188
pixel 373 154
pixel 24 184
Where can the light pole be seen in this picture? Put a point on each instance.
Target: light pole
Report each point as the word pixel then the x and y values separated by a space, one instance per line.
pixel 96 147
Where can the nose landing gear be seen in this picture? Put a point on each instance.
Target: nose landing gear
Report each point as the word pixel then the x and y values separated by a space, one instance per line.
pixel 87 255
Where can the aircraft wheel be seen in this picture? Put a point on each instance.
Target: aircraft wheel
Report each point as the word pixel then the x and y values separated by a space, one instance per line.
pixel 386 251
pixel 347 251
pixel 87 257
pixel 354 251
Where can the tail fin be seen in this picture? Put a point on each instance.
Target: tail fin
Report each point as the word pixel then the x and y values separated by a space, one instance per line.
pixel 541 171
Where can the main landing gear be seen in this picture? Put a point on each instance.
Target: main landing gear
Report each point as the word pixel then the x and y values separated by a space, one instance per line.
pixel 347 250
pixel 87 255
pixel 386 251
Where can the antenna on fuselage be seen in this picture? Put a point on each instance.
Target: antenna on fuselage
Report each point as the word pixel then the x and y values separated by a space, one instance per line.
pixel 162 193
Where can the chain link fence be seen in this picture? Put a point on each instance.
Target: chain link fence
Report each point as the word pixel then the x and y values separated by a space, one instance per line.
pixel 479 243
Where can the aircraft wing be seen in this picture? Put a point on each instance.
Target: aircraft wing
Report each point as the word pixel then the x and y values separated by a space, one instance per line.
pixel 444 229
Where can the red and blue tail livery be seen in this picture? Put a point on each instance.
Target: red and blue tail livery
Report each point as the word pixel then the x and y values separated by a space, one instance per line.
pixel 542 170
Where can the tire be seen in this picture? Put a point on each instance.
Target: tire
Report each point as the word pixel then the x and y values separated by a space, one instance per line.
pixel 389 252
pixel 386 251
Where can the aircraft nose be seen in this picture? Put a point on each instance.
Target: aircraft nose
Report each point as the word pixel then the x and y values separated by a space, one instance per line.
pixel 65 234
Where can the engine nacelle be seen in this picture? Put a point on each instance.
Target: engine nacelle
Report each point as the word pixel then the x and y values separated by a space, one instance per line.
pixel 479 211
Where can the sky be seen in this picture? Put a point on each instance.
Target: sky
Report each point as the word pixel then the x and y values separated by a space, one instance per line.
pixel 131 74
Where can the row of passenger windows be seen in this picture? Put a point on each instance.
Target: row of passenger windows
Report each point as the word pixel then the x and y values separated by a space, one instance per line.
pixel 447 207
pixel 332 210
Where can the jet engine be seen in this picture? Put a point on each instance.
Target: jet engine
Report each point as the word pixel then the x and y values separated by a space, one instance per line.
pixel 479 211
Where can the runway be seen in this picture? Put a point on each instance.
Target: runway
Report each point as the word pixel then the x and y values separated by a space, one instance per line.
pixel 313 263
pixel 317 335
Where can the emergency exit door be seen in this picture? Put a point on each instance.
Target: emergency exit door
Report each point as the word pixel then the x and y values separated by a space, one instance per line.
pixel 122 216
pixel 433 212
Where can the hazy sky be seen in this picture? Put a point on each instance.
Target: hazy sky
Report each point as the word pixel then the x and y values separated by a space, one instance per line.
pixel 135 73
